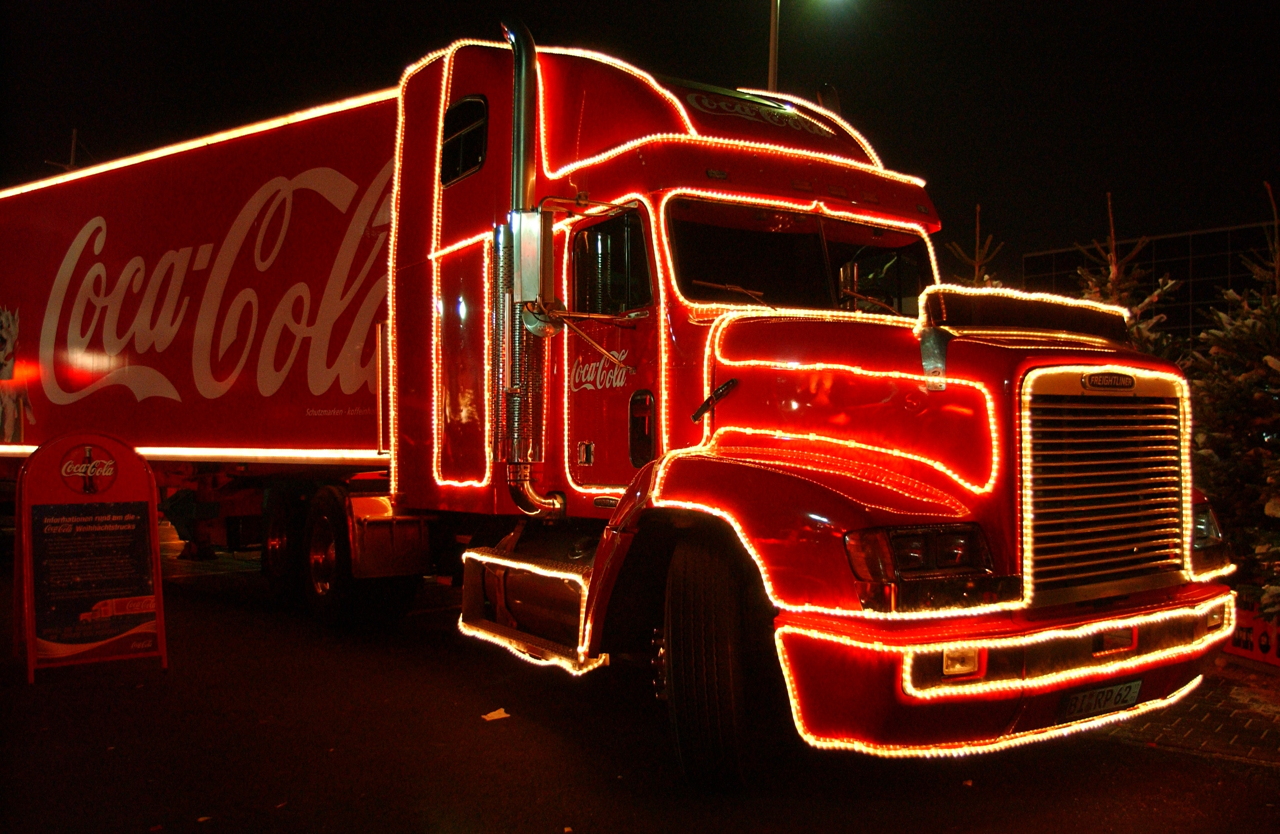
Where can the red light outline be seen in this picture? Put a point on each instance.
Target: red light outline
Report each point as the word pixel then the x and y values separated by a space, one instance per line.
pixel 715 349
pixel 1003 292
pixel 825 113
pixel 692 136
pixel 929 751
pixel 1012 687
pixel 235 454
pixel 1027 515
pixel 1049 681
pixel 437 313
pixel 800 206
pixel 658 499
pixel 205 141
pixel 445 54
pixel 841 467
pixel 584 663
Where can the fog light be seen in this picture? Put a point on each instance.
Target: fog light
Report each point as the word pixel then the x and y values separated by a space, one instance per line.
pixel 1115 640
pixel 959 662
pixel 1215 618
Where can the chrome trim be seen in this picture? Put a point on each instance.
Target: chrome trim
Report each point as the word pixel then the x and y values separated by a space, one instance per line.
pixel 1105 491
pixel 519 357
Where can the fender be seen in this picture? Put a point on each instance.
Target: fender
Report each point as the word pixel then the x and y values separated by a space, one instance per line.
pixel 796 544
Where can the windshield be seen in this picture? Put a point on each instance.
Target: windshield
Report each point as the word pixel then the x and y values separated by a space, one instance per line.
pixel 733 254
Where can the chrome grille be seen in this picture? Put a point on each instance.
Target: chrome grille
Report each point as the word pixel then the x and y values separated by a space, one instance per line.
pixel 1106 494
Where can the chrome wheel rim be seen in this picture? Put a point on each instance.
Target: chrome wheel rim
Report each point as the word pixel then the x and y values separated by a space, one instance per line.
pixel 275 548
pixel 323 557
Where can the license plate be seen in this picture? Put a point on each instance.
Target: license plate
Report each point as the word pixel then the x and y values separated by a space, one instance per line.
pixel 1107 699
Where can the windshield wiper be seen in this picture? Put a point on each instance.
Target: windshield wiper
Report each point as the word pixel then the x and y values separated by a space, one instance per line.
pixel 716 396
pixel 860 297
pixel 754 295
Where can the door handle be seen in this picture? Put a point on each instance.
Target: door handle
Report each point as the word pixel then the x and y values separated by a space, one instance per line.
pixel 640 427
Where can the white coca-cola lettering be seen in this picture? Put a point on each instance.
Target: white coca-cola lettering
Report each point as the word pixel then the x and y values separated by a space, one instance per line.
pixel 598 375
pixel 776 116
pixel 142 381
pixel 96 321
pixel 89 469
pixel 326 182
pixel 339 293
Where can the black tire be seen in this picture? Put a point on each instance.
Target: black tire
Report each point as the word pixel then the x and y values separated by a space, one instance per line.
pixel 722 675
pixel 326 576
pixel 284 516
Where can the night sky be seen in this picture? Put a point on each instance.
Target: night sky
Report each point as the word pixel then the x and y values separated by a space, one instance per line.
pixel 1035 109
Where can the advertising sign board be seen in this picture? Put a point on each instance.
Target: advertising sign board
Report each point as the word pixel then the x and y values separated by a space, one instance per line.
pixel 87 573
pixel 1254 637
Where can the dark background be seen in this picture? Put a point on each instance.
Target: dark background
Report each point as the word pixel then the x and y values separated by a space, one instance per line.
pixel 269 722
pixel 1034 109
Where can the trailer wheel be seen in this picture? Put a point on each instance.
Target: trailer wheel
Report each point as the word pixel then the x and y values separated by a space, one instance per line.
pixel 284 528
pixel 721 670
pixel 327 581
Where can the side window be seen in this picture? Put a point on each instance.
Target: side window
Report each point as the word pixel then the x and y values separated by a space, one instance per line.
pixel 611 266
pixel 465 127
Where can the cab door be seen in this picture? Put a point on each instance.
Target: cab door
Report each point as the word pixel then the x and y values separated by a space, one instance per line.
pixel 612 405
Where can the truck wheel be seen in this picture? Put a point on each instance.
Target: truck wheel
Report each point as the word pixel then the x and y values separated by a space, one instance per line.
pixel 721 669
pixel 284 528
pixel 327 581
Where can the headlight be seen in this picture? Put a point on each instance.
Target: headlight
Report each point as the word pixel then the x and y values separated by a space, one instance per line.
pixel 868 552
pixel 938 550
pixel 890 553
pixel 926 568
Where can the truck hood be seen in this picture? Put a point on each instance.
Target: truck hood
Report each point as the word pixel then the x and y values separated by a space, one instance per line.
pixel 826 391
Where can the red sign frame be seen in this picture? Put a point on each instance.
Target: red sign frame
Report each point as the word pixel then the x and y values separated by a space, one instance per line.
pixel 1254 637
pixel 87 579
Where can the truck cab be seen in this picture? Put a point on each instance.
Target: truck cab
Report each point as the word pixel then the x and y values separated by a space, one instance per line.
pixel 703 373
pixel 659 373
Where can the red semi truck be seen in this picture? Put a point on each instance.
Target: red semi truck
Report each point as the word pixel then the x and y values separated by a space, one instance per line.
pixel 659 371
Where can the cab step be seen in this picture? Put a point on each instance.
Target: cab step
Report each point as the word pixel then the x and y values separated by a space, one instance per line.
pixel 535 608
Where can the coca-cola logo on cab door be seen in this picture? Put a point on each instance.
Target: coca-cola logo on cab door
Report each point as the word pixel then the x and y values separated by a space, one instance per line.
pixel 88 469
pixel 600 374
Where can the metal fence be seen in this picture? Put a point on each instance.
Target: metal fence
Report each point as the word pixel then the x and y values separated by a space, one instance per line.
pixel 1204 262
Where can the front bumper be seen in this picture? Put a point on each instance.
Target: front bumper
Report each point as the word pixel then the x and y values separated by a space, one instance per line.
pixel 877 686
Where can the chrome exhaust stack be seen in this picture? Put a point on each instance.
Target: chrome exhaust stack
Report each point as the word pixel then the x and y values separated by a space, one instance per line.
pixel 521 246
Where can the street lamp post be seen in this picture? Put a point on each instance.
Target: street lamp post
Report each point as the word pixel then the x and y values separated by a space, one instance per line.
pixel 773 45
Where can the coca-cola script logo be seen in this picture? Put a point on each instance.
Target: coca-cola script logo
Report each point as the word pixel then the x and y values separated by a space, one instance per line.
pixel 599 375
pixel 776 116
pixel 88 469
pixel 91 319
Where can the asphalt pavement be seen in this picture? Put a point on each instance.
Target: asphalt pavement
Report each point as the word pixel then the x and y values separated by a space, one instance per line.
pixel 1233 715
pixel 267 721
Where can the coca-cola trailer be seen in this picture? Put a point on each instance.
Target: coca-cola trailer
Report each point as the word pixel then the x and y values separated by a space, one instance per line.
pixel 660 371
